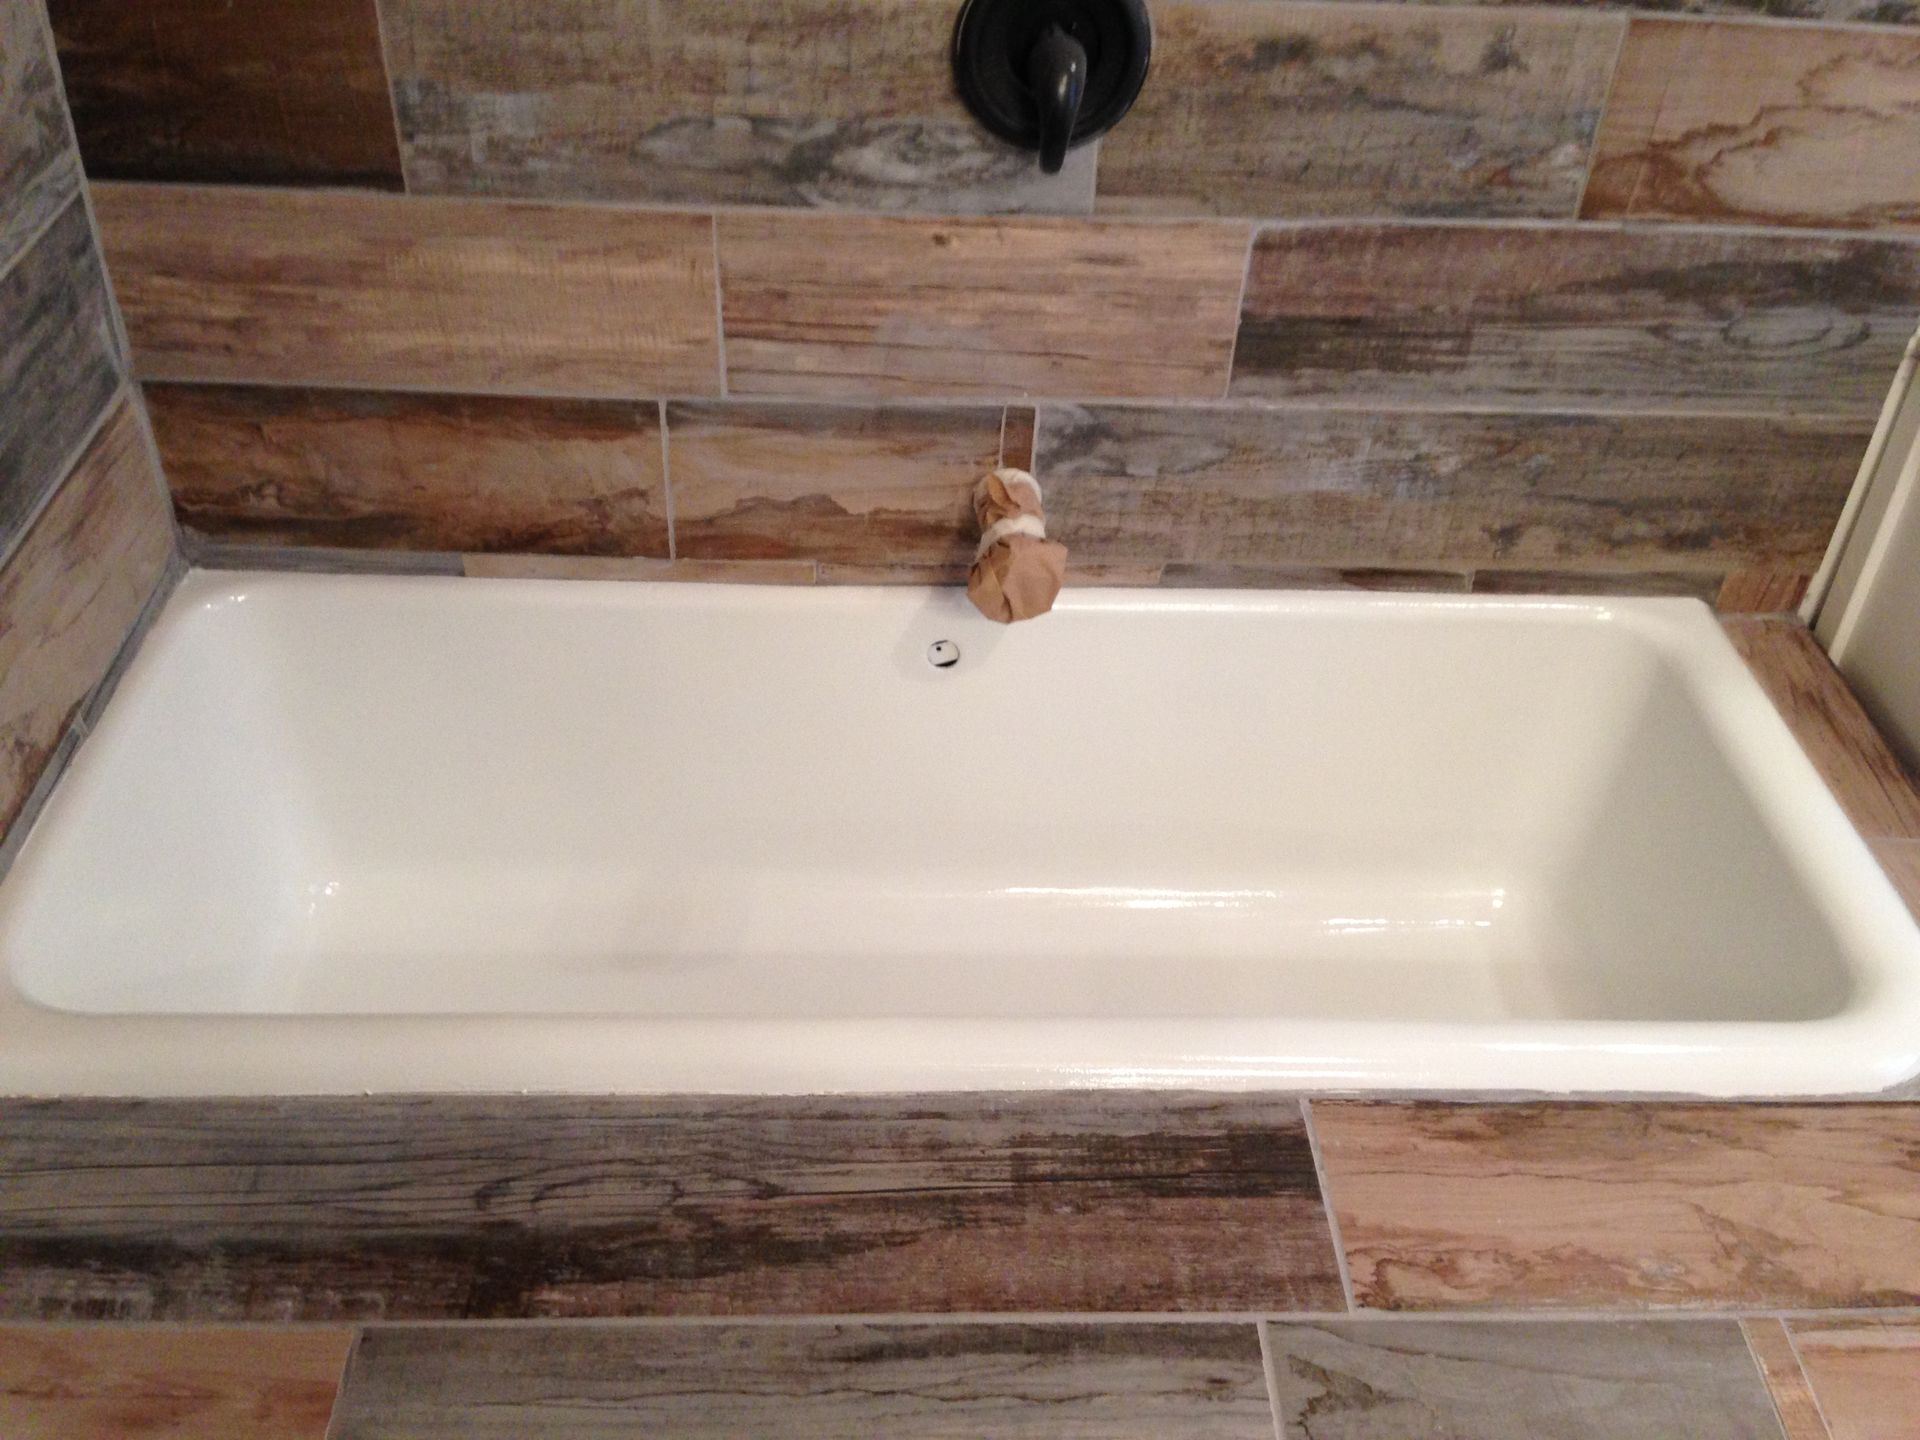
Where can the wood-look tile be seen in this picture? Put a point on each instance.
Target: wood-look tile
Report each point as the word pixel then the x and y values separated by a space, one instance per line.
pixel 39 169
pixel 809 1382
pixel 1793 1400
pixel 1864 774
pixel 470 1207
pixel 568 567
pixel 255 91
pixel 856 485
pixel 1577 317
pixel 345 288
pixel 71 593
pixel 57 366
pixel 1611 1380
pixel 1263 109
pixel 1901 860
pixel 1307 577
pixel 117 1383
pixel 205 554
pixel 1625 1205
pixel 1763 592
pixel 779 102
pixel 978 307
pixel 1761 124
pixel 1693 585
pixel 378 470
pixel 1865 1374
pixel 1449 491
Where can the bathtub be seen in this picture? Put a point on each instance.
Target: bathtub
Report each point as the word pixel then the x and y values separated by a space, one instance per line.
pixel 337 834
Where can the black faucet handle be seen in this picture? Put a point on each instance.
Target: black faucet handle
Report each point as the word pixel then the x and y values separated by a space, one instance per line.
pixel 1057 78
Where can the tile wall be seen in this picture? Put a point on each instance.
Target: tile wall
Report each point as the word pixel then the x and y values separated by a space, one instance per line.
pixel 1492 297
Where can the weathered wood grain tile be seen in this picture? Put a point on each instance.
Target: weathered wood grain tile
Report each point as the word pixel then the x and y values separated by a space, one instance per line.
pixel 252 91
pixel 1901 860
pixel 1793 1400
pixel 1268 109
pixel 119 1383
pixel 1577 317
pixel 376 470
pixel 39 169
pixel 344 288
pixel 71 593
pixel 1761 124
pixel 568 567
pixel 205 554
pixel 1307 577
pixel 781 102
pixel 57 365
pixel 1414 490
pixel 1865 776
pixel 978 307
pixel 1764 592
pixel 857 485
pixel 468 1207
pixel 1625 1206
pixel 1131 576
pixel 1865 1374
pixel 1864 12
pixel 1696 585
pixel 922 1382
pixel 1612 1380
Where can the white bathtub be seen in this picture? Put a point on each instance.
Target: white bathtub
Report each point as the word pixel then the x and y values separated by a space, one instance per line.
pixel 410 834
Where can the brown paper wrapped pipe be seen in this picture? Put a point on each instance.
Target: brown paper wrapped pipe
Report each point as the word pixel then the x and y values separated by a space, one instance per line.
pixel 1017 572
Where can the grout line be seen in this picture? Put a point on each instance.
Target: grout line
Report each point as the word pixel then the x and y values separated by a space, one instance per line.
pixel 666 481
pixel 1793 1346
pixel 64 472
pixel 1272 1378
pixel 1600 118
pixel 719 305
pixel 393 98
pixel 1240 310
pixel 39 232
pixel 1326 1204
pixel 1747 1329
pixel 340 1386
pixel 1005 411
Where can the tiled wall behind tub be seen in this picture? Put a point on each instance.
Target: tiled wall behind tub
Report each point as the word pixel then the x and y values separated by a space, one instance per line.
pixel 86 539
pixel 1462 296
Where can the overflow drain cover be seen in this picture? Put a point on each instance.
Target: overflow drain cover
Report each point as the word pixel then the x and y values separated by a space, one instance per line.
pixel 943 654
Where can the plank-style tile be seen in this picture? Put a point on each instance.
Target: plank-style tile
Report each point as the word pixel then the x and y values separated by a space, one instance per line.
pixel 1762 124
pixel 1764 592
pixel 254 91
pixel 376 470
pixel 1308 577
pixel 978 307
pixel 102 1382
pixel 857 485
pixel 71 593
pixel 1414 490
pixel 39 169
pixel 1865 1374
pixel 1864 774
pixel 1606 1380
pixel 1793 1400
pixel 1297 109
pixel 809 1382
pixel 1901 860
pixel 1625 1206
pixel 57 365
pixel 1577 317
pixel 344 288
pixel 780 102
pixel 1694 585
pixel 455 1207
pixel 569 567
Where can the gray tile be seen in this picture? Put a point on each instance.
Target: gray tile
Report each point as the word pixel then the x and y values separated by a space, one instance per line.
pixel 39 169
pixel 1063 1382
pixel 1614 1380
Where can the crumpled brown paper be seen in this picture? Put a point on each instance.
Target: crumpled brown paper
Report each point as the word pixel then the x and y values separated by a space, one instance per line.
pixel 1018 576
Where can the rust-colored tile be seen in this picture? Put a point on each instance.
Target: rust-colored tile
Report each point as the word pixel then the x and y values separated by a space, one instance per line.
pixel 1761 124
pixel 1625 1206
pixel 464 1207
pixel 101 1382
pixel 1866 1375
pixel 849 484
pixel 1793 1401
pixel 1577 316
pixel 570 567
pixel 255 91
pixel 777 102
pixel 1901 860
pixel 1355 489
pixel 71 593
pixel 1263 109
pixel 1864 774
pixel 39 168
pixel 371 470
pixel 342 288
pixel 1016 437
pixel 832 306
pixel 1763 592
